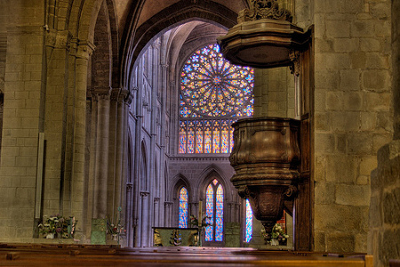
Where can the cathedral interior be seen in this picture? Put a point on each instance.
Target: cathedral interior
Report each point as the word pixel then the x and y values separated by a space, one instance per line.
pixel 136 119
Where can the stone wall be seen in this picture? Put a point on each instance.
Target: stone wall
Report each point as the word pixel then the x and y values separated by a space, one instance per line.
pixel 352 113
pixel 274 93
pixel 22 92
pixel 384 215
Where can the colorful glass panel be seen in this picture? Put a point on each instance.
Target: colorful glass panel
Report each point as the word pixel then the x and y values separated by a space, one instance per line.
pixel 209 213
pixel 215 211
pixel 207 140
pixel 199 139
pixel 213 89
pixel 216 138
pixel 249 222
pixel 190 139
pixel 219 214
pixel 183 208
pixel 182 138
pixel 225 139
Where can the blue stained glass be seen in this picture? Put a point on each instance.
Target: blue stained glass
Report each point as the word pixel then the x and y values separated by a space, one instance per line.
pixel 209 212
pixel 219 220
pixel 249 222
pixel 215 211
pixel 183 208
pixel 211 88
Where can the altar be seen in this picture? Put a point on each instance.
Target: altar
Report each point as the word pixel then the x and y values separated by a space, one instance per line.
pixel 173 236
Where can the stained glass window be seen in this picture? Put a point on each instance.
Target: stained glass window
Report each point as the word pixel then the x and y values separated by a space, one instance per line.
pixel 214 211
pixel 183 208
pixel 249 222
pixel 213 93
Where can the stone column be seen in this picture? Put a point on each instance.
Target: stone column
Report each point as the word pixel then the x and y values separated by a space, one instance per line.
pixel 144 224
pixel 22 115
pixel 156 211
pixel 168 211
pixel 101 168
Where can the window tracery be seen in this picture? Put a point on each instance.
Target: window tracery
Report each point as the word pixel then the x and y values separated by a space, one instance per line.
pixel 213 94
pixel 214 211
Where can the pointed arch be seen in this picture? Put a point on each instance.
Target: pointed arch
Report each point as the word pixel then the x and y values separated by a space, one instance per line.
pixel 182 196
pixel 182 11
pixel 143 180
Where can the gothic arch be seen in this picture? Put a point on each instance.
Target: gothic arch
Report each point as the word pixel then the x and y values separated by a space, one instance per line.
pixel 207 175
pixel 180 181
pixel 173 15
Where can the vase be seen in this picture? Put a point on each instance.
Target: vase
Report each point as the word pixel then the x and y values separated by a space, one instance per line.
pixel 50 236
pixel 274 242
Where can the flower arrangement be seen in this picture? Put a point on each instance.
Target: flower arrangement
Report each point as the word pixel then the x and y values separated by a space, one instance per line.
pixel 194 222
pixel 116 230
pixel 277 236
pixel 57 226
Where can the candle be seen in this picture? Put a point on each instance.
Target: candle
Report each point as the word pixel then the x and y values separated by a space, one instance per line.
pixel 200 212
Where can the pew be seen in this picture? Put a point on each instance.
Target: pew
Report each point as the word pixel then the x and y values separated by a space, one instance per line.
pixel 111 255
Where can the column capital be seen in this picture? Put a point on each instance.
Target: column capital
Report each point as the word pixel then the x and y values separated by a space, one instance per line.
pixel 144 193
pixel 81 48
pixel 100 95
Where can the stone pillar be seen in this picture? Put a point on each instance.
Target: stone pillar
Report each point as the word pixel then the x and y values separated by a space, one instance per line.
pixel 101 168
pixel 156 212
pixel 145 222
pixel 22 115
pixel 168 212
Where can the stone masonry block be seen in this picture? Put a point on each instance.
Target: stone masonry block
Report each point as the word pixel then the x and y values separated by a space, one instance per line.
pixel 370 44
pixel 337 28
pixel 375 211
pixel 380 10
pixel 341 169
pixel 358 60
pixel 345 121
pixel 324 193
pixel 391 206
pixel 368 121
pixel 325 142
pixel 353 101
pixel 377 80
pixel 333 61
pixel 334 100
pixel 322 121
pixel 367 164
pixel 320 168
pixel 378 61
pixel 354 195
pixel 340 218
pixel 364 28
pixel 378 101
pixel 350 80
pixel 327 79
pixel 359 143
pixel 341 143
pixel 345 44
pixel 340 242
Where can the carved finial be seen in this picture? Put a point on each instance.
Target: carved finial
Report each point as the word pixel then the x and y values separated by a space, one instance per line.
pixel 264 9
